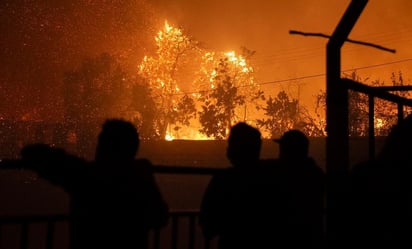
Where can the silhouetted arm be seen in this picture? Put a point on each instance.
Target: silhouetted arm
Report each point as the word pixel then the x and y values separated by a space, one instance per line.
pixel 11 164
pixel 52 164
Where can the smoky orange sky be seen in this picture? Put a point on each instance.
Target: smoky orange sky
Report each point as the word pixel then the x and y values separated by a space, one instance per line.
pixel 40 40
pixel 263 26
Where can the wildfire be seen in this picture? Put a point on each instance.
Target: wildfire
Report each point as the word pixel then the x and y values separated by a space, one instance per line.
pixel 169 137
pixel 163 72
pixel 167 30
pixel 238 61
pixel 189 133
pixel 379 123
pixel 200 136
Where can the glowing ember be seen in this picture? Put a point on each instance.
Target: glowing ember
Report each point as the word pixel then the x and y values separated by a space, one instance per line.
pixel 379 123
pixel 169 137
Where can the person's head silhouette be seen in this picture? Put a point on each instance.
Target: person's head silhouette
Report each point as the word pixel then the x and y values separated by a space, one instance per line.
pixel 244 144
pixel 397 145
pixel 293 144
pixel 118 140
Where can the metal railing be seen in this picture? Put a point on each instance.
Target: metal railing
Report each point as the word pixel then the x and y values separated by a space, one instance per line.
pixel 24 223
pixel 175 218
pixel 380 92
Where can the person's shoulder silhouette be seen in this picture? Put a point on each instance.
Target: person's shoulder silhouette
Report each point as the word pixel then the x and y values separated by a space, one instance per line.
pixel 303 183
pixel 237 205
pixel 127 197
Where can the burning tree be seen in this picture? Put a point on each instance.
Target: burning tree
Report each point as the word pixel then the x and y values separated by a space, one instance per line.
pixel 143 109
pixel 229 88
pixel 284 112
pixel 173 51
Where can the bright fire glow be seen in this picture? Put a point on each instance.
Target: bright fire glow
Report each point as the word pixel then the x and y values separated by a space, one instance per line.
pixel 162 74
pixel 379 123
pixel 239 69
pixel 168 28
pixel 169 137
pixel 238 60
pixel 190 133
pixel 200 136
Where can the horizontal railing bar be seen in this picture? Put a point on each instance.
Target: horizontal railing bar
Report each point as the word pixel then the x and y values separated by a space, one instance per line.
pixel 63 217
pixel 162 169
pixel 33 218
pixel 376 92
pixel 26 220
pixel 178 213
pixel 394 88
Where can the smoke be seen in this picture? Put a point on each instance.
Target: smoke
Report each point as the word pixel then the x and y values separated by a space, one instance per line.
pixel 42 39
pixel 263 26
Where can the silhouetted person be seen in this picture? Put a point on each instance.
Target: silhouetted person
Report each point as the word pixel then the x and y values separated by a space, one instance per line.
pixel 381 197
pixel 302 184
pixel 115 200
pixel 237 207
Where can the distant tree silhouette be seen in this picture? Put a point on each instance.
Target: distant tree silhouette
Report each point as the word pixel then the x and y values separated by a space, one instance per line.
pixel 385 112
pixel 283 113
pixel 144 109
pixel 92 92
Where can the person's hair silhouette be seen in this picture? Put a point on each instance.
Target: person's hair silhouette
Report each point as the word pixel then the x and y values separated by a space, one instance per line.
pixel 293 144
pixel 244 145
pixel 118 140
